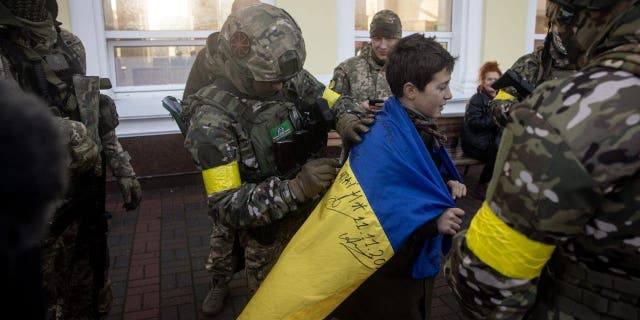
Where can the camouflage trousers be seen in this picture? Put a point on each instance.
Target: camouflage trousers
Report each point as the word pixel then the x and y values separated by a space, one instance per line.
pixel 57 255
pixel 258 257
pixel 69 278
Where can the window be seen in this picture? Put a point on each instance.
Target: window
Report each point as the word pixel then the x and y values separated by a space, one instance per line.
pixel 146 47
pixel 541 23
pixel 151 46
pixel 432 17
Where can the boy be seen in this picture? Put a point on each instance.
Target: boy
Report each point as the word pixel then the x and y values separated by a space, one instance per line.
pixel 418 71
pixel 382 220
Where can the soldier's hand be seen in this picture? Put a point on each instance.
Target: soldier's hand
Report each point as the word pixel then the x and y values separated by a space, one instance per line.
pixel 83 151
pixel 131 192
pixel 449 221
pixel 314 177
pixel 351 126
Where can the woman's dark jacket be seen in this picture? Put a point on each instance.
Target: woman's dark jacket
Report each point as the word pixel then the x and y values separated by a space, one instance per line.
pixel 479 130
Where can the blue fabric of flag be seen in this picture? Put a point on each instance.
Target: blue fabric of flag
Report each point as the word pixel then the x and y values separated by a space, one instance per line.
pixel 403 184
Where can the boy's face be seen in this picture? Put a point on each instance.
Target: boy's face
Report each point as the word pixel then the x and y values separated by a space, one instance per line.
pixel 430 101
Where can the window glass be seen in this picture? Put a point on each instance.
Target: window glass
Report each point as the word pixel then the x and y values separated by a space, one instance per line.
pixel 416 15
pixel 542 22
pixel 154 43
pixel 358 46
pixel 153 65
pixel 149 15
pixel 538 43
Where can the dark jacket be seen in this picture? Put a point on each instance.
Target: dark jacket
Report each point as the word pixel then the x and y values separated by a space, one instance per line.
pixel 479 131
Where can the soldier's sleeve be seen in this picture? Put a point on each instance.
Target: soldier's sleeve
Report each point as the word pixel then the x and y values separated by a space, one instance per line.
pixel 501 105
pixel 528 66
pixel 340 81
pixel 213 139
pixel 304 88
pixel 118 159
pixel 75 44
pixel 552 169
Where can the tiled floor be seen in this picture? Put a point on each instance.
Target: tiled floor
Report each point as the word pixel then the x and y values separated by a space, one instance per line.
pixel 158 253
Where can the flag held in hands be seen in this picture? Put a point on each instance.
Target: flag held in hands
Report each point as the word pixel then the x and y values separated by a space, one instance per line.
pixel 387 189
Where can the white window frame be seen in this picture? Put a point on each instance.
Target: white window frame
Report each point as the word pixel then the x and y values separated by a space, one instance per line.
pixel 112 44
pixel 139 107
pixel 462 42
pixel 532 36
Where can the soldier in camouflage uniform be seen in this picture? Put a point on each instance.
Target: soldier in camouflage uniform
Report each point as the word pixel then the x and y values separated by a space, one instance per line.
pixel 547 62
pixel 40 57
pixel 558 236
pixel 33 168
pixel 362 76
pixel 258 134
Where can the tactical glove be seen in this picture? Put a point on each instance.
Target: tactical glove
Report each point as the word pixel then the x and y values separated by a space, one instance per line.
pixel 351 126
pixel 314 177
pixel 131 192
pixel 83 151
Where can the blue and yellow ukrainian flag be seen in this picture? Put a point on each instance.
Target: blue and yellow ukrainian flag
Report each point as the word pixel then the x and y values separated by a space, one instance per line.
pixel 388 188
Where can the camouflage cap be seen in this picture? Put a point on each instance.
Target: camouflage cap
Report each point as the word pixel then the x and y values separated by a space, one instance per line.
pixel 385 23
pixel 32 10
pixel 263 43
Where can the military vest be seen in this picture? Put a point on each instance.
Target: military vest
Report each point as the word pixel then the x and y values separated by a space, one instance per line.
pixel 282 136
pixel 58 78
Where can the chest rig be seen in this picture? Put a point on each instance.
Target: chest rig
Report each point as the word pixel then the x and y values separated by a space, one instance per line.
pixel 57 77
pixel 283 135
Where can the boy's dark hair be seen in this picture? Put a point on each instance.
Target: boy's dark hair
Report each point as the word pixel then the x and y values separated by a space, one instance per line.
pixel 416 59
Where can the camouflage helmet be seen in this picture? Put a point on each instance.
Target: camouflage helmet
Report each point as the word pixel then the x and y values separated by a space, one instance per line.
pixel 32 10
pixel 581 25
pixel 386 24
pixel 262 43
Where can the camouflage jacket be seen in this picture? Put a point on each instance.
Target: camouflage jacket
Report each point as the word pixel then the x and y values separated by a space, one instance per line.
pixel 566 183
pixel 219 134
pixel 204 69
pixel 529 68
pixel 84 104
pixel 361 77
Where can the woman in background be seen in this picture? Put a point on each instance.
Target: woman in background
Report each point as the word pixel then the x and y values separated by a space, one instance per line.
pixel 480 133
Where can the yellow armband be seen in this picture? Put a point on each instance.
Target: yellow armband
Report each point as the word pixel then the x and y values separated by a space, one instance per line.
pixel 504 249
pixel 503 95
pixel 222 178
pixel 331 96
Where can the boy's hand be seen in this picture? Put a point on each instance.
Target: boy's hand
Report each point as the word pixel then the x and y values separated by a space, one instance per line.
pixel 458 190
pixel 449 221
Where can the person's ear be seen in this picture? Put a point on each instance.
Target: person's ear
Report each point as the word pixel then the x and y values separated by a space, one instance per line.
pixel 409 90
